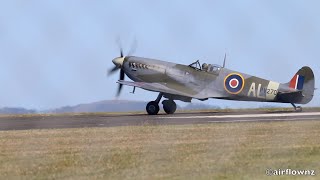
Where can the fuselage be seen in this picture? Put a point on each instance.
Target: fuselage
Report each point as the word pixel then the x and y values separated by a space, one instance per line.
pixel 215 82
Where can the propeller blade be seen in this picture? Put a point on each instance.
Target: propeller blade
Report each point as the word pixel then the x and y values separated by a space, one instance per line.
pixel 133 47
pixel 111 71
pixel 121 74
pixel 121 52
pixel 119 89
pixel 120 46
pixel 120 85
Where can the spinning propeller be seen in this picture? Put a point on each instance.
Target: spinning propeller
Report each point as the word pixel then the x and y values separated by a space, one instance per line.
pixel 118 62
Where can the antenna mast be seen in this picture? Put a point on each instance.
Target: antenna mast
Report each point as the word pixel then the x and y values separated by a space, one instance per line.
pixel 224 61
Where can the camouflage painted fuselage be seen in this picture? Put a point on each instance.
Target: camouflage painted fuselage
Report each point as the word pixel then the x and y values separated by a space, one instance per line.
pixel 183 82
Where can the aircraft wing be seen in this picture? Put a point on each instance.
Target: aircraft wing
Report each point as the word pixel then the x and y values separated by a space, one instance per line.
pixel 161 87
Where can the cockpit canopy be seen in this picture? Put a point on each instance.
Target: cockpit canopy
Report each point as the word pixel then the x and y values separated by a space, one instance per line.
pixel 210 68
pixel 195 65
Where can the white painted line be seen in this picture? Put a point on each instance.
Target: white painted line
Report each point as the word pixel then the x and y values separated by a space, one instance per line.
pixel 259 120
pixel 245 115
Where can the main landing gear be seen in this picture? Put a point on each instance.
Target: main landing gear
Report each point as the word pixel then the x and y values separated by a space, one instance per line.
pixel 169 106
pixel 297 108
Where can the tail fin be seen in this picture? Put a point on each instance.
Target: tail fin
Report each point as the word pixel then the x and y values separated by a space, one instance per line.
pixel 303 81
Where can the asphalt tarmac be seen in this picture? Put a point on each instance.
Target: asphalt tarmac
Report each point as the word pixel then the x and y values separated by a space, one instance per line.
pixel 99 120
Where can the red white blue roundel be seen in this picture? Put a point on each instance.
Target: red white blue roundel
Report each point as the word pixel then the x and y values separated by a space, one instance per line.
pixel 234 83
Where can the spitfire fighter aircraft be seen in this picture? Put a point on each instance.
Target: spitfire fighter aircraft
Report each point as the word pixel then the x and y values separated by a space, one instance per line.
pixel 186 82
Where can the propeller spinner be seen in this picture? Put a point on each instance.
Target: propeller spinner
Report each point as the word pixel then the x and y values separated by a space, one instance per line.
pixel 118 62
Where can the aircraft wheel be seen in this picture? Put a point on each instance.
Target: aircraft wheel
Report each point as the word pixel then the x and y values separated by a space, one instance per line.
pixel 152 108
pixel 299 109
pixel 169 106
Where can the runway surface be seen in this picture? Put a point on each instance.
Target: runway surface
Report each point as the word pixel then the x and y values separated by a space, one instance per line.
pixel 81 121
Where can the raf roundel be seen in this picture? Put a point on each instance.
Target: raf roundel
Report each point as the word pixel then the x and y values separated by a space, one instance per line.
pixel 234 83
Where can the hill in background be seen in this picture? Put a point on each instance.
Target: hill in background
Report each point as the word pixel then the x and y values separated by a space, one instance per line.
pixel 8 110
pixel 103 106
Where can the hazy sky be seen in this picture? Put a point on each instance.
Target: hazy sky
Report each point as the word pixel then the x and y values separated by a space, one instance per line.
pixel 56 52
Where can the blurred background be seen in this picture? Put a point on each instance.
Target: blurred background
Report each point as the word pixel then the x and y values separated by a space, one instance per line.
pixel 55 53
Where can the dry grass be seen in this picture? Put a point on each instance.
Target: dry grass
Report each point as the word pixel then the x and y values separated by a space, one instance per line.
pixel 214 151
pixel 307 109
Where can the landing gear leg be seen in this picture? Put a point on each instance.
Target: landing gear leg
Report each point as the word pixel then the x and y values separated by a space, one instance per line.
pixel 152 107
pixel 169 106
pixel 297 108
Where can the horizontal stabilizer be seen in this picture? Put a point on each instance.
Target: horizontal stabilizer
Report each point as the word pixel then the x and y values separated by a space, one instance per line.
pixel 290 97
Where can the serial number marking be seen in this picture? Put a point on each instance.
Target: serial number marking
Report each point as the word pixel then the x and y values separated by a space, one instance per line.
pixel 261 92
pixel 272 91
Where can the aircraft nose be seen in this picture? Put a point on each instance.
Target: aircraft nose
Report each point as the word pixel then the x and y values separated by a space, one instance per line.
pixel 118 61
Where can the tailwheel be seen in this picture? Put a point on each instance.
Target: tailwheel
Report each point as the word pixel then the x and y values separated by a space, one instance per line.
pixel 152 108
pixel 169 106
pixel 297 108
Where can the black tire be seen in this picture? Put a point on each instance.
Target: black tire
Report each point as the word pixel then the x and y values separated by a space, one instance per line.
pixel 152 108
pixel 169 106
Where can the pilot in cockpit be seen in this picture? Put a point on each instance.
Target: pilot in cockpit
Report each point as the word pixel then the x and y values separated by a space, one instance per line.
pixel 205 67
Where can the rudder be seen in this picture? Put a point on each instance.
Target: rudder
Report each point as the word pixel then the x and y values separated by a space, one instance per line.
pixel 303 80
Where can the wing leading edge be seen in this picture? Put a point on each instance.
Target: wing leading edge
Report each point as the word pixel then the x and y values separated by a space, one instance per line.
pixel 161 87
